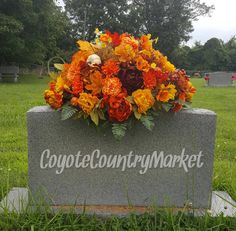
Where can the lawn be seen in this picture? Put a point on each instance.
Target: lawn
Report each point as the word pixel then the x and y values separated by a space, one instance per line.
pixel 16 99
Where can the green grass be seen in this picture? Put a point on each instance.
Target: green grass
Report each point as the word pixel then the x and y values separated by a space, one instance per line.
pixel 159 221
pixel 16 99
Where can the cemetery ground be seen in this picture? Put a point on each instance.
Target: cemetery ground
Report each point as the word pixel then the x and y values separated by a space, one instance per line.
pixel 17 98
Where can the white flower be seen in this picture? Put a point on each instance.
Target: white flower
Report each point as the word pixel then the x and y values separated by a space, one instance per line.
pixel 94 60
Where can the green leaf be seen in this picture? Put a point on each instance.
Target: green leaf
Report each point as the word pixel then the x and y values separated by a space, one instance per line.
pixel 166 106
pixel 130 99
pixel 80 114
pixel 101 114
pixel 67 112
pixel 59 66
pixel 147 121
pixel 119 130
pixel 94 117
pixel 137 115
pixel 187 104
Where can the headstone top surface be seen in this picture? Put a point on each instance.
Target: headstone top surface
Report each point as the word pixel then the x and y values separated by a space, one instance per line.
pixel 185 111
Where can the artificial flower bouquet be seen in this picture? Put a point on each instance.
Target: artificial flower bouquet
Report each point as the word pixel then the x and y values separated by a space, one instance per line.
pixel 118 79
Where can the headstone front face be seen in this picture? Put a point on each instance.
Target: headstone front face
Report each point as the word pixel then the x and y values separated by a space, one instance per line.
pixel 220 79
pixel 73 164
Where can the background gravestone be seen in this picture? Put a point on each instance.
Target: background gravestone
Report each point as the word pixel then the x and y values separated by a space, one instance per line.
pixel 220 79
pixel 193 130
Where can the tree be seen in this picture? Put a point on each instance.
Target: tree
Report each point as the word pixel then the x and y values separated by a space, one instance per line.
pixel 113 15
pixel 230 48
pixel 170 20
pixel 30 30
pixel 180 57
pixel 215 56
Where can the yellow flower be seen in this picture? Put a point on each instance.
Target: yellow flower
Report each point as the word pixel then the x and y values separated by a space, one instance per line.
pixel 146 42
pixel 59 84
pixel 166 65
pixel 96 31
pixel 142 64
pixel 87 102
pixel 125 52
pixel 53 98
pixel 143 99
pixel 190 92
pixel 166 93
pixel 153 65
pixel 105 38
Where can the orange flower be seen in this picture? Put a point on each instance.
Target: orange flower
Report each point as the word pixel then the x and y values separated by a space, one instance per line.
pixel 119 109
pixel 111 86
pixel 142 64
pixel 73 71
pixel 182 96
pixel 77 86
pixel 80 57
pixel 87 102
pixel 74 101
pixel 105 38
pixel 146 42
pixel 125 52
pixel 190 92
pixel 110 68
pixel 150 80
pixel 166 93
pixel 96 83
pixel 53 98
pixel 143 99
pixel 130 41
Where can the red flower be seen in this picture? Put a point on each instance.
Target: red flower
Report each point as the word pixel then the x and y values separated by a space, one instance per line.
pixel 150 80
pixel 116 40
pixel 77 86
pixel 130 77
pixel 177 107
pixel 161 76
pixel 119 108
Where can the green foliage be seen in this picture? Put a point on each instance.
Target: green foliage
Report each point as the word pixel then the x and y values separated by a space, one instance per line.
pixel 119 130
pixel 170 20
pixel 147 121
pixel 31 31
pixel 214 55
pixel 166 106
pixel 113 15
pixel 67 111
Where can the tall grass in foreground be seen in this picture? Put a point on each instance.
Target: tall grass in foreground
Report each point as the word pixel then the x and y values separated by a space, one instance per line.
pixel 41 217
pixel 160 220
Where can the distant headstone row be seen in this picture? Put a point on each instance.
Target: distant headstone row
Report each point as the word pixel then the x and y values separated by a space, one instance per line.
pixel 220 79
pixel 9 72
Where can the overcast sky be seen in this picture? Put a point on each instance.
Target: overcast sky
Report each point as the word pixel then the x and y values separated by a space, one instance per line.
pixel 221 24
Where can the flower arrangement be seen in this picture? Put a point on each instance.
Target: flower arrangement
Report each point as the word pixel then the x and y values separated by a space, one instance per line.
pixel 118 79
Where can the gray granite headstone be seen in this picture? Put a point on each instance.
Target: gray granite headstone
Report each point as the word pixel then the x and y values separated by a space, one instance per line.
pixel 168 167
pixel 220 79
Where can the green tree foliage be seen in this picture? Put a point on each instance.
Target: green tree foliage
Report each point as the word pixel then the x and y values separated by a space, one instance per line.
pixel 169 20
pixel 30 30
pixel 113 15
pixel 230 48
pixel 214 55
